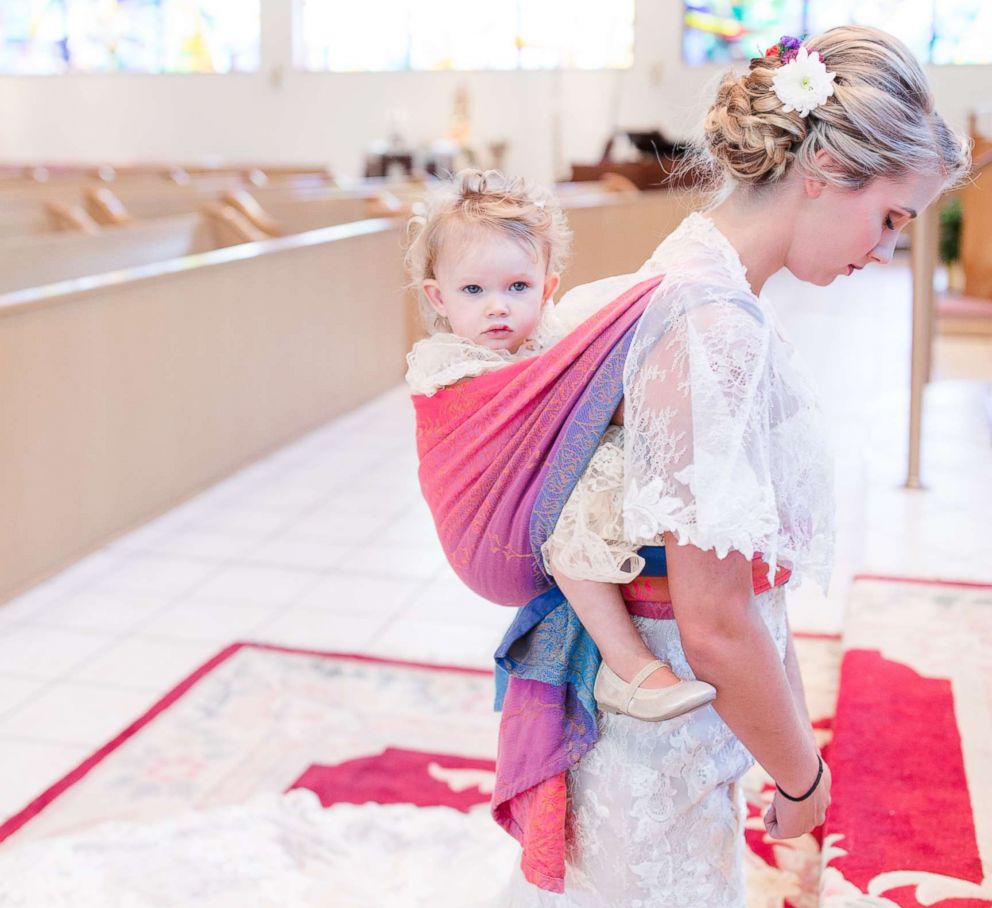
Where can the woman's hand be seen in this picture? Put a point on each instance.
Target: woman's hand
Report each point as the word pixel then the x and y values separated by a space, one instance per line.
pixel 618 415
pixel 787 819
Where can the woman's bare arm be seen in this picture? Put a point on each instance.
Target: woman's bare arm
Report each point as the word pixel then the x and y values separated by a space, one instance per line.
pixel 795 680
pixel 727 644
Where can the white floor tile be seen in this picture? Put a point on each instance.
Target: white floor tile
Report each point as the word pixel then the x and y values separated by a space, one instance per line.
pixel 257 584
pixel 207 620
pixel 371 595
pixel 312 628
pixel 27 768
pixel 88 570
pixel 239 521
pixel 15 691
pixel 76 713
pixel 145 663
pixel 289 498
pixel 201 544
pixel 22 608
pixel 338 525
pixel 158 575
pixel 445 644
pixel 412 562
pixel 288 551
pixel 448 600
pixel 45 653
pixel 99 608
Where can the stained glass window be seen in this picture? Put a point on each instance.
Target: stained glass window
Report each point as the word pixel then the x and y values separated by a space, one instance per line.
pixel 953 31
pixel 963 32
pixel 386 35
pixel 147 36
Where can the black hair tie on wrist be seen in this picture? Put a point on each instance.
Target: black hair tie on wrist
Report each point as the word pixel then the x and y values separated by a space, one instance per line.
pixel 819 775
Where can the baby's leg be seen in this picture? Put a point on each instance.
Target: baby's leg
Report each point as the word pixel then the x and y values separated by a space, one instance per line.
pixel 604 615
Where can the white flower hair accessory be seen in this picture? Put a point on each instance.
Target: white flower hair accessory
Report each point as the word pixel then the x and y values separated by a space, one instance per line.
pixel 803 83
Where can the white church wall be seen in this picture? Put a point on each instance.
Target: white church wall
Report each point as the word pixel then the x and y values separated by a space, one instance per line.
pixel 283 115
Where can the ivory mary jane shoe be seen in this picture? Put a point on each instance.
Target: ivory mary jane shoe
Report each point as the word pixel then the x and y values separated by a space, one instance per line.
pixel 615 695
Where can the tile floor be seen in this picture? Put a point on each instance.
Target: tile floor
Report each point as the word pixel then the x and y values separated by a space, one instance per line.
pixel 326 543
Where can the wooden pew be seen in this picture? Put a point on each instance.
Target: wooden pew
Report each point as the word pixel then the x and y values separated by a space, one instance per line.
pixel 126 393
pixel 24 210
pixel 38 260
pixel 82 247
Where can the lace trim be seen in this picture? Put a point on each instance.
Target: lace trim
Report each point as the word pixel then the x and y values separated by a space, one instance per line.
pixel 725 441
pixel 588 540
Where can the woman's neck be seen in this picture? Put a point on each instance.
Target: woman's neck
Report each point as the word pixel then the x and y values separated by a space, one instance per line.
pixel 760 231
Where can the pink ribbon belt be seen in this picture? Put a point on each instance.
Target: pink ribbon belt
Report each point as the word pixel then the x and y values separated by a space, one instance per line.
pixel 649 597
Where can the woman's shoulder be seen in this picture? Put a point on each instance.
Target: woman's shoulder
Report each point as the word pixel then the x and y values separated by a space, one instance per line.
pixel 696 256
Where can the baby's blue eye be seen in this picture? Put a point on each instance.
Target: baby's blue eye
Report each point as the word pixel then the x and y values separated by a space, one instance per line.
pixel 519 285
pixel 472 288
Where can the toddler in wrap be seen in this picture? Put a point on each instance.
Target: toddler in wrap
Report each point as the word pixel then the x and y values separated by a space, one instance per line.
pixel 486 256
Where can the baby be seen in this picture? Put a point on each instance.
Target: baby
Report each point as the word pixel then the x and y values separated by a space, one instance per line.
pixel 486 255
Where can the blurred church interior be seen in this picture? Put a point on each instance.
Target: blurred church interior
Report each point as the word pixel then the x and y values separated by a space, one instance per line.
pixel 206 442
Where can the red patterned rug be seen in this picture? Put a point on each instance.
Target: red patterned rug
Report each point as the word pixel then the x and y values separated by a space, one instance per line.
pixel 910 824
pixel 298 776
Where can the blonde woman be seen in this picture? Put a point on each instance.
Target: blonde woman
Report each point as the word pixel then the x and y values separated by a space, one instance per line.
pixel 826 149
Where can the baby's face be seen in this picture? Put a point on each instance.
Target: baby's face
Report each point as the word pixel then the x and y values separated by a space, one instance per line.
pixel 490 287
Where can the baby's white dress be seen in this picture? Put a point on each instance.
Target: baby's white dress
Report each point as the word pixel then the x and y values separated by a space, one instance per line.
pixel 725 448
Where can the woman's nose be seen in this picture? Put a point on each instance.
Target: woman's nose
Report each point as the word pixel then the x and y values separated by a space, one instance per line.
pixel 883 252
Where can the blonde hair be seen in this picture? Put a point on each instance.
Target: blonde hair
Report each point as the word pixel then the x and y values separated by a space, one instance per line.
pixel 879 122
pixel 486 201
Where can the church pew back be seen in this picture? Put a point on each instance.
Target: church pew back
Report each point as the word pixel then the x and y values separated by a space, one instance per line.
pixel 124 394
pixel 53 257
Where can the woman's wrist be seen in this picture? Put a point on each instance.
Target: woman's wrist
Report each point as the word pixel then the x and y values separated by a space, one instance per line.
pixel 801 788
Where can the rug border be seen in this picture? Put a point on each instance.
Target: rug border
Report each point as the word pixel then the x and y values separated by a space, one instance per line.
pixel 18 820
pixel 926 581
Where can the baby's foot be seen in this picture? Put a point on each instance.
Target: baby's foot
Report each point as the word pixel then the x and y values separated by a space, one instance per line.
pixel 661 677
pixel 616 694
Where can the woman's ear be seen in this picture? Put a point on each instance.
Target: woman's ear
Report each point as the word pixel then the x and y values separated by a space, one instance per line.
pixel 432 290
pixel 814 185
pixel 551 283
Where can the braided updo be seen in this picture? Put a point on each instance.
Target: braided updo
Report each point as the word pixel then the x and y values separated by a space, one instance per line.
pixel 879 122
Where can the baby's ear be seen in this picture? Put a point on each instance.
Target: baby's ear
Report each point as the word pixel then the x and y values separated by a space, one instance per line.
pixel 551 284
pixel 432 290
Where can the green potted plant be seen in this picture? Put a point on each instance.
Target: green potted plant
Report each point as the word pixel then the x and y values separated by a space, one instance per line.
pixel 949 243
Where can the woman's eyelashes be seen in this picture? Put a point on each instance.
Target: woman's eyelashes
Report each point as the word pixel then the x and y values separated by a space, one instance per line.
pixel 889 223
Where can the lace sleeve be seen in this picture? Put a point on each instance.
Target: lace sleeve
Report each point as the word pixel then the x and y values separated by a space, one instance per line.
pixel 697 455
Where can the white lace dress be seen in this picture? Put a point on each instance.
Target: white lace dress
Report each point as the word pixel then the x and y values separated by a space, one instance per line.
pixel 725 448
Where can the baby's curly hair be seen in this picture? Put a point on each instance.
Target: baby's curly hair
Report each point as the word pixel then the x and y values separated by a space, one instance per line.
pixel 879 122
pixel 486 200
